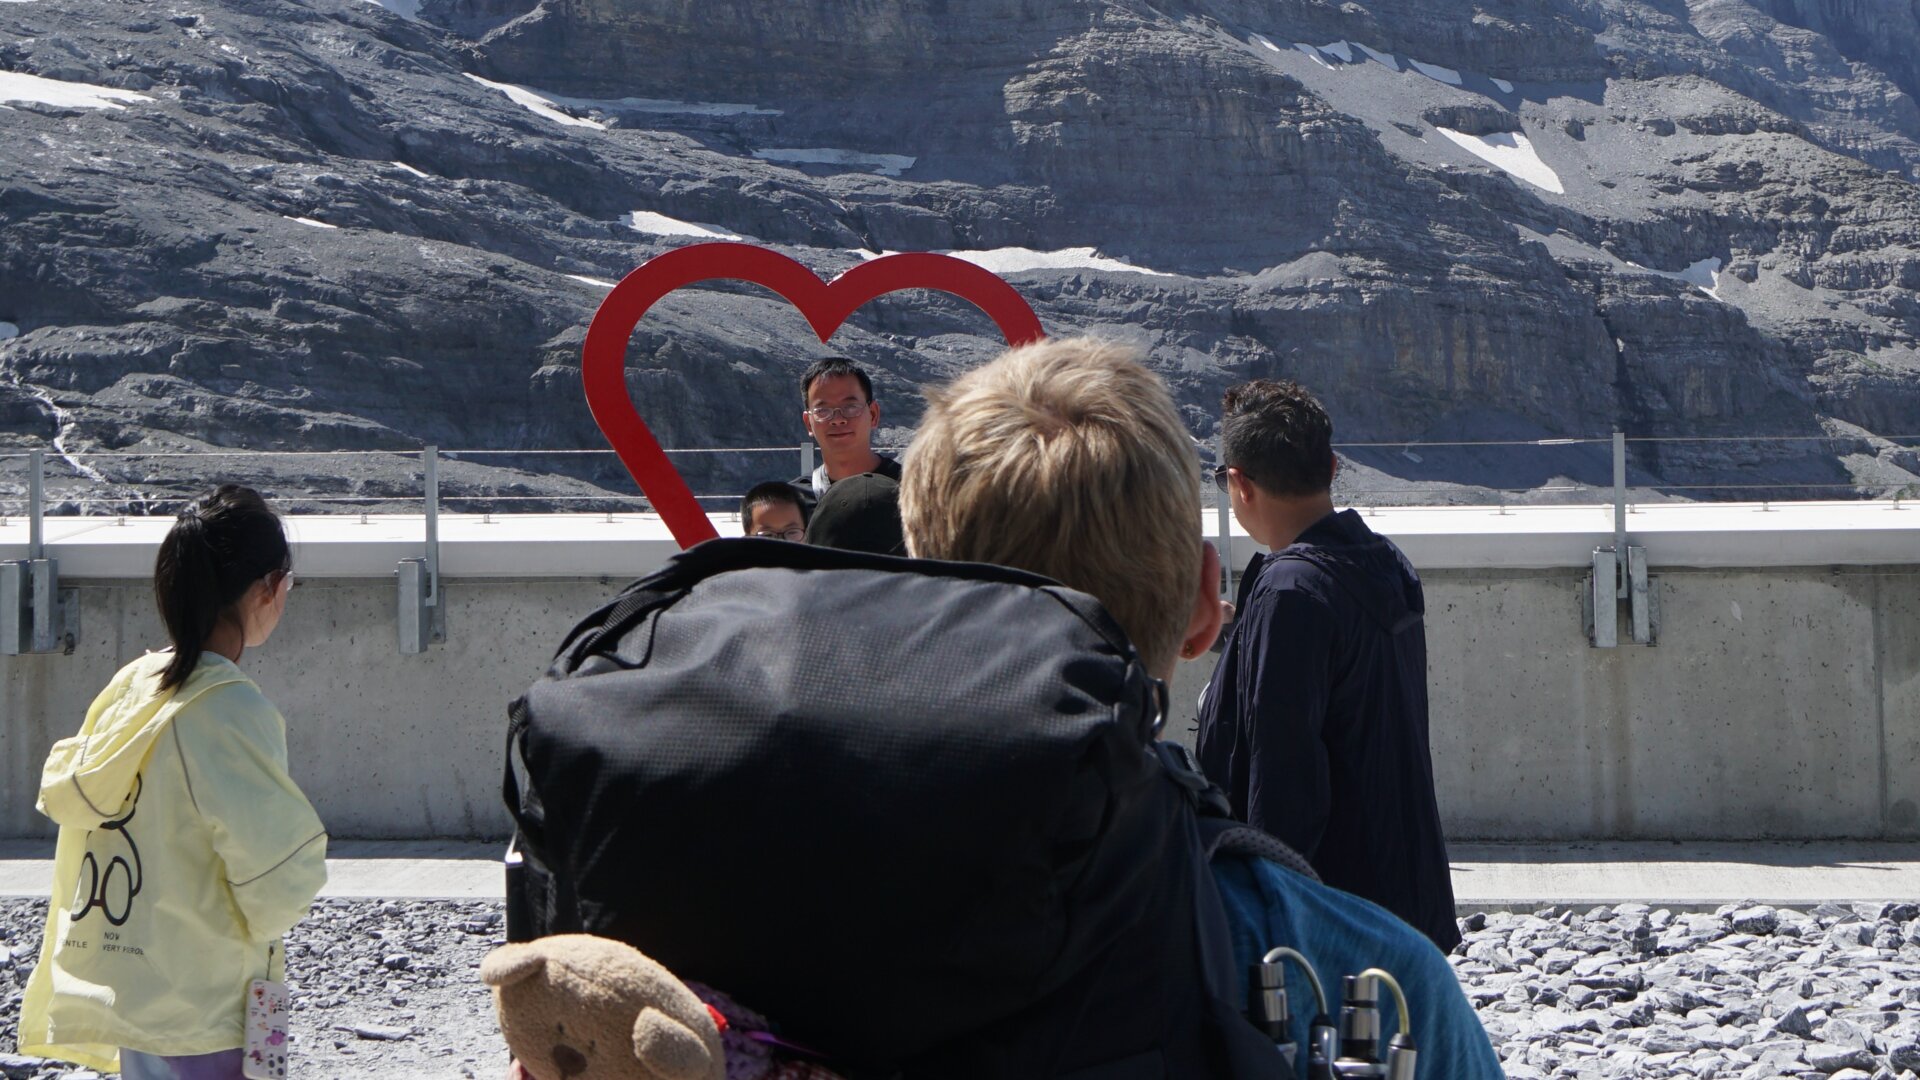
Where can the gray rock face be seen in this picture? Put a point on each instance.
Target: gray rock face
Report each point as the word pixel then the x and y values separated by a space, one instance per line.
pixel 318 229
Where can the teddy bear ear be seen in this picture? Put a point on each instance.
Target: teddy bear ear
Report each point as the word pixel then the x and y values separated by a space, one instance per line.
pixel 669 1048
pixel 508 964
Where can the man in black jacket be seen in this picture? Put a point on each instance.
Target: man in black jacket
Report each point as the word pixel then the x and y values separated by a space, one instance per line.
pixel 1316 720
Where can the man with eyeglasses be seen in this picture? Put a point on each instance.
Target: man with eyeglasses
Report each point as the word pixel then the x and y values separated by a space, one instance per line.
pixel 840 414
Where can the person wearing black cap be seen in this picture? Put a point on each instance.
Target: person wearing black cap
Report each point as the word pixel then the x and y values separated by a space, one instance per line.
pixel 860 513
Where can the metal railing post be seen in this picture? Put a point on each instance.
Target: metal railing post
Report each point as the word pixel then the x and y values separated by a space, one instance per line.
pixel 430 461
pixel 36 504
pixel 806 458
pixel 1620 512
pixel 36 614
pixel 1620 573
pixel 422 615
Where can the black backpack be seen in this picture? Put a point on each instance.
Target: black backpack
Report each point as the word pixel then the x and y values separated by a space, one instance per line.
pixel 913 811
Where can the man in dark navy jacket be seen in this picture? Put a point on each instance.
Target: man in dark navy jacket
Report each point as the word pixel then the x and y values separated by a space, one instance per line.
pixel 1316 720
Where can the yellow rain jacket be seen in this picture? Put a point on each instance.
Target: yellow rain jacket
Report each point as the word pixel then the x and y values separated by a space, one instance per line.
pixel 185 852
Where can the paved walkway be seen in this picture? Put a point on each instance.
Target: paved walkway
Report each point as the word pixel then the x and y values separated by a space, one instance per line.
pixel 1695 876
pixel 1689 876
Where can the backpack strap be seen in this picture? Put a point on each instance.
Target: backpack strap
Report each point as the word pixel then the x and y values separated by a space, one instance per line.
pixel 528 815
pixel 1220 836
pixel 611 623
pixel 1206 798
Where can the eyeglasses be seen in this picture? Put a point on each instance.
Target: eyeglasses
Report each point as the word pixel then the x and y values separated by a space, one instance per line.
pixel 1220 475
pixel 280 577
pixel 824 413
pixel 795 534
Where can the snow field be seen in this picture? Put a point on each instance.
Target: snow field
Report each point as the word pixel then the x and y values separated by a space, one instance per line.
pixel 1343 53
pixel 653 224
pixel 1313 54
pixel 884 164
pixel 1703 275
pixel 1512 153
pixel 550 105
pixel 534 101
pixel 406 9
pixel 1014 260
pixel 32 89
pixel 1436 72
pixel 1384 59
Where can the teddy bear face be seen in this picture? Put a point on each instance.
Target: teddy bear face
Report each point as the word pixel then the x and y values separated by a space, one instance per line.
pixel 576 1007
pixel 580 1044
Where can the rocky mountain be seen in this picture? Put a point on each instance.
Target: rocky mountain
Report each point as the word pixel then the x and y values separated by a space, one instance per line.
pixel 338 225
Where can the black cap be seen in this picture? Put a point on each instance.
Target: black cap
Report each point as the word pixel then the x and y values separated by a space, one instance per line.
pixel 860 513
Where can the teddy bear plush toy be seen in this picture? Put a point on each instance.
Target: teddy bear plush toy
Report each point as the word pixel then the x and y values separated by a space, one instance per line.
pixel 579 1007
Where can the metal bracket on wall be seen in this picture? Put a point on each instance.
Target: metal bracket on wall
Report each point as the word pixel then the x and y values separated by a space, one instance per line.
pixel 1601 599
pixel 36 614
pixel 422 616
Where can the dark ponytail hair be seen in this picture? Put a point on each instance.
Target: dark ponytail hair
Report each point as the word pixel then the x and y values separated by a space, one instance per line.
pixel 214 553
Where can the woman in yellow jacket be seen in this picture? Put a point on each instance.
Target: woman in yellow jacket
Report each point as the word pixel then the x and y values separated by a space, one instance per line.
pixel 185 849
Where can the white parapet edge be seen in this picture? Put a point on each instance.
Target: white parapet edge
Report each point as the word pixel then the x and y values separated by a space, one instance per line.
pixel 1702 535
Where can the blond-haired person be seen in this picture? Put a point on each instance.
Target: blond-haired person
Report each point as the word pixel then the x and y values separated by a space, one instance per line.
pixel 1067 458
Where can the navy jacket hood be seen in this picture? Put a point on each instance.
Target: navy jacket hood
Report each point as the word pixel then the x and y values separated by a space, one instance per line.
pixel 1372 571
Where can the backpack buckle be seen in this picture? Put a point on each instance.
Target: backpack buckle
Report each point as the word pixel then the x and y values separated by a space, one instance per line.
pixel 1183 769
pixel 1162 705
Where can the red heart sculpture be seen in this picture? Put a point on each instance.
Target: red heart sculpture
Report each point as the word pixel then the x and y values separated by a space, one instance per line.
pixel 826 305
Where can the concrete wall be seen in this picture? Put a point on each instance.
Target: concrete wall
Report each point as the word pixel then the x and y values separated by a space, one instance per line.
pixel 1779 703
pixel 1782 703
pixel 385 745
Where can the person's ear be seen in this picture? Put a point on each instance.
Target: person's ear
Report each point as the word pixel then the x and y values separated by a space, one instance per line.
pixel 1333 470
pixel 1241 485
pixel 255 603
pixel 873 413
pixel 1203 625
pixel 806 421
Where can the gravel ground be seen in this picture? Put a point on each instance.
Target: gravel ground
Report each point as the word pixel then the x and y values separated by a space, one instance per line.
pixel 1749 992
pixel 381 989
pixel 390 990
